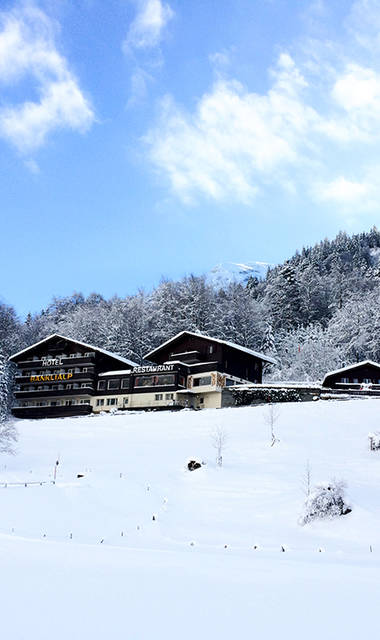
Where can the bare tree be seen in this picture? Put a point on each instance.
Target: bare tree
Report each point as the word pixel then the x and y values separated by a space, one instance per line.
pixel 271 419
pixel 306 479
pixel 219 439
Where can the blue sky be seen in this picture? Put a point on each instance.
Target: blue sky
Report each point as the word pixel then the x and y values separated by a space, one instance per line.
pixel 143 138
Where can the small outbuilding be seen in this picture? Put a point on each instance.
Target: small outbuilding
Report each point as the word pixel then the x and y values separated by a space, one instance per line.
pixel 354 376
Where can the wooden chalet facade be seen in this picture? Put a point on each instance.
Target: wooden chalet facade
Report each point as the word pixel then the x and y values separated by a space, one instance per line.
pixel 365 374
pixel 61 377
pixel 58 377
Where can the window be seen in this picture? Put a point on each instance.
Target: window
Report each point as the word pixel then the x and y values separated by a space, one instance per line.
pixel 113 384
pixel 85 369
pixel 60 387
pixel 165 380
pixel 144 381
pixel 77 370
pixel 202 382
pixel 356 380
pixel 54 387
pixel 367 380
pixel 68 386
pixel 126 400
pixel 68 403
pixel 211 348
pixel 162 380
pixel 101 385
pixel 201 400
pixel 111 401
pixel 69 370
pixel 169 396
pixel 125 383
pixel 158 396
pixel 83 402
pixel 53 403
pixel 84 384
pixel 345 380
pixel 25 404
pixel 75 385
pixel 73 355
pixel 229 382
pixel 181 381
pixel 100 402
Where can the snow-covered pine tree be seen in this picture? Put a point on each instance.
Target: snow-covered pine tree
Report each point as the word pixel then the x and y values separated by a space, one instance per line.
pixel 4 386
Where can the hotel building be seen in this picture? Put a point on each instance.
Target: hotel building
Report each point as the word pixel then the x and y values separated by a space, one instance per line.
pixel 59 376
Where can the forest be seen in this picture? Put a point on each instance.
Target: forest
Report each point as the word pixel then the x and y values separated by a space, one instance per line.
pixel 316 312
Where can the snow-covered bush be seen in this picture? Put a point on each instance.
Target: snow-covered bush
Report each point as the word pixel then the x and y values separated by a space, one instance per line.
pixel 325 501
pixel 374 440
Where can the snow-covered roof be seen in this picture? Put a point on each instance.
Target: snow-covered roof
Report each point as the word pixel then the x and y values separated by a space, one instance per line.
pixel 261 356
pixel 194 364
pixel 82 344
pixel 351 366
pixel 121 372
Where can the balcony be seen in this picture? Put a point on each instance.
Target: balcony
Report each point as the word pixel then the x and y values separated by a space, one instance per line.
pixel 82 376
pixel 54 393
pixel 67 361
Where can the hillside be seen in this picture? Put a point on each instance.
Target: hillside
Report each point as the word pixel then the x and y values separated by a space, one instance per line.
pixel 62 548
pixel 316 312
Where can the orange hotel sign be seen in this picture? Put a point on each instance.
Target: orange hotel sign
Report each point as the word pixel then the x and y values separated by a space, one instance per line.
pixel 51 378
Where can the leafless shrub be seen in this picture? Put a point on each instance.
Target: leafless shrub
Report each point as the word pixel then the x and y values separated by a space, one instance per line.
pixel 219 439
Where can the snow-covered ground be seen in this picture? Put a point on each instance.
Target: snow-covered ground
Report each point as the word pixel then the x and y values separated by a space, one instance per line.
pixel 85 560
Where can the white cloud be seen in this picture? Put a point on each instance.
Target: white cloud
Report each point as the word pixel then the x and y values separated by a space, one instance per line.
pixel 344 191
pixel 363 23
pixel 355 112
pixel 319 117
pixel 27 49
pixel 361 194
pixel 147 28
pixel 234 139
pixel 139 86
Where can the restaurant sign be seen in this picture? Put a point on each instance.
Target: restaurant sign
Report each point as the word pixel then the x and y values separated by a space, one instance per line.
pixel 159 369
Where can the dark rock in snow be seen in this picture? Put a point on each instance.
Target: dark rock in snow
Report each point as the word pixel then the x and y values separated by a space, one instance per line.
pixel 193 464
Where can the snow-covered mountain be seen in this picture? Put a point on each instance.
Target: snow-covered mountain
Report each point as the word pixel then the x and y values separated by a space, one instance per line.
pixel 226 272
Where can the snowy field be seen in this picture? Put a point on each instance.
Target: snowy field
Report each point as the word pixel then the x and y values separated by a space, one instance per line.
pixel 85 560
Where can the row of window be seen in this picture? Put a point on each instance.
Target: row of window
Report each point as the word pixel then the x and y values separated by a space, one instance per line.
pixel 357 381
pixel 111 402
pixel 87 354
pixel 45 372
pixel 56 387
pixel 160 380
pixel 55 403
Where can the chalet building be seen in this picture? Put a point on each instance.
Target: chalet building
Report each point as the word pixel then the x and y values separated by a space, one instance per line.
pixel 59 376
pixel 354 376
